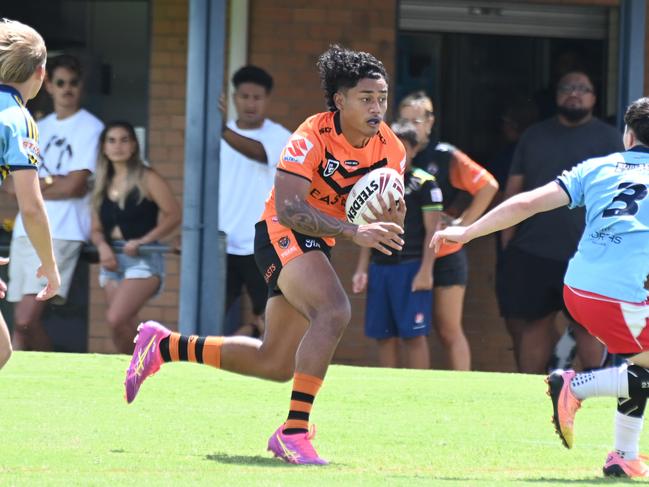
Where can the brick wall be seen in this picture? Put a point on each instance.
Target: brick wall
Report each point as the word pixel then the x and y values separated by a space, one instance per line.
pixel 286 36
pixel 166 153
pixel 290 53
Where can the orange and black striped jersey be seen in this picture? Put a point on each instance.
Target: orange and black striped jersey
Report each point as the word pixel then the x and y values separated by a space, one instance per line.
pixel 319 152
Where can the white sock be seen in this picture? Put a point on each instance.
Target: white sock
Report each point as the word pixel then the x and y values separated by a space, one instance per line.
pixel 611 382
pixel 627 435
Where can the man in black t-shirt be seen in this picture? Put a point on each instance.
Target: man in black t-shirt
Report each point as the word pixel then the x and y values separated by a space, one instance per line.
pixel 530 281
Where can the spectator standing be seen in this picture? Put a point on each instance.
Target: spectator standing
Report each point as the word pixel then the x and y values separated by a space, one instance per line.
pixel 251 147
pixel 455 173
pixel 68 145
pixel 22 70
pixel 530 281
pixel 400 286
pixel 132 206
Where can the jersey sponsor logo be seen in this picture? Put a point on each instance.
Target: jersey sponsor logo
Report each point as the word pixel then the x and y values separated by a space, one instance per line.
pixel 361 198
pixel 330 168
pixel 351 163
pixel 623 167
pixel 436 195
pixel 29 147
pixel 328 199
pixel 287 252
pixel 284 242
pixel 310 243
pixel 297 149
pixel 324 130
pixel 600 237
pixel 269 272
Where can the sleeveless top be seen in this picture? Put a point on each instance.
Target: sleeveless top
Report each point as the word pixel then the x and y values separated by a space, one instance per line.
pixel 134 221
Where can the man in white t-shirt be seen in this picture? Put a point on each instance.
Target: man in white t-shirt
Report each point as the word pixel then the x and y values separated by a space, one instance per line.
pixel 250 149
pixel 68 143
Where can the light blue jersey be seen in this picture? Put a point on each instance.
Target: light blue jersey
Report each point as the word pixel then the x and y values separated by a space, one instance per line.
pixel 612 258
pixel 18 134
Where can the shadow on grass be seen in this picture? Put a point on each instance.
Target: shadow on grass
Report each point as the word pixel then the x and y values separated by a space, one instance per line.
pixel 593 481
pixel 255 460
pixel 552 481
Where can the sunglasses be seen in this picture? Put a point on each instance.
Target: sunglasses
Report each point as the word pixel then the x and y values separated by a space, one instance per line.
pixel 580 89
pixel 60 83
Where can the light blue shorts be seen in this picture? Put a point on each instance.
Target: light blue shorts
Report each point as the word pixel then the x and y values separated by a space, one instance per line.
pixel 139 267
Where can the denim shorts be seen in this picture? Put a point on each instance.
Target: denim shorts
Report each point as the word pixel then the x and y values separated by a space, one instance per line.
pixel 139 267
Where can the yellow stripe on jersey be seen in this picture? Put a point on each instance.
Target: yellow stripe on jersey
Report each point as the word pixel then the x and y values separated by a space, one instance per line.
pixel 33 135
pixel 4 172
pixel 32 129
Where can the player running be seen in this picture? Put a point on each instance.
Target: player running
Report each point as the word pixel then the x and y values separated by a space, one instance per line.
pixel 604 284
pixel 22 69
pixel 308 309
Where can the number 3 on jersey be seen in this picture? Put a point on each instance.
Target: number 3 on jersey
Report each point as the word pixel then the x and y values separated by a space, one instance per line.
pixel 631 193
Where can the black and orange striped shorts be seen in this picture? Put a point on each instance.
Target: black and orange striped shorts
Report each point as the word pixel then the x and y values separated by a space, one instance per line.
pixel 276 245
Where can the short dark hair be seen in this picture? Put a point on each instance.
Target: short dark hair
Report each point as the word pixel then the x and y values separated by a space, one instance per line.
pixel 342 68
pixel 406 131
pixel 637 119
pixel 579 72
pixel 253 74
pixel 67 61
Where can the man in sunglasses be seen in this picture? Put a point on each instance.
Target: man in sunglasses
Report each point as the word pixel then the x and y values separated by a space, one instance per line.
pixel 537 251
pixel 68 144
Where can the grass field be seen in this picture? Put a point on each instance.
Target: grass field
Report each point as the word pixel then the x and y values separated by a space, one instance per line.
pixel 64 422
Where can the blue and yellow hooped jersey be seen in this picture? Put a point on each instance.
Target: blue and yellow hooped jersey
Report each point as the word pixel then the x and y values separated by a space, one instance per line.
pixel 18 134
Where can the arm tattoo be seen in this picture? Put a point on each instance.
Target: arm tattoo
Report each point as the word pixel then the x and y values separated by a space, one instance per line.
pixel 298 215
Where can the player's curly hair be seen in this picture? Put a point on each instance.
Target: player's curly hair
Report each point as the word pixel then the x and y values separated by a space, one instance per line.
pixel 637 119
pixel 342 68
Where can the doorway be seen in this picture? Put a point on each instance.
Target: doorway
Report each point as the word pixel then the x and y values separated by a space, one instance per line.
pixel 477 61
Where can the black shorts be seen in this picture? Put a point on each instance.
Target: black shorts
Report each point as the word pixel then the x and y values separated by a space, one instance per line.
pixel 529 287
pixel 451 270
pixel 242 271
pixel 278 245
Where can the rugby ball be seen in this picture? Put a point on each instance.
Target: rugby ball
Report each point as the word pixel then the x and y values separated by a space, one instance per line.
pixel 376 184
